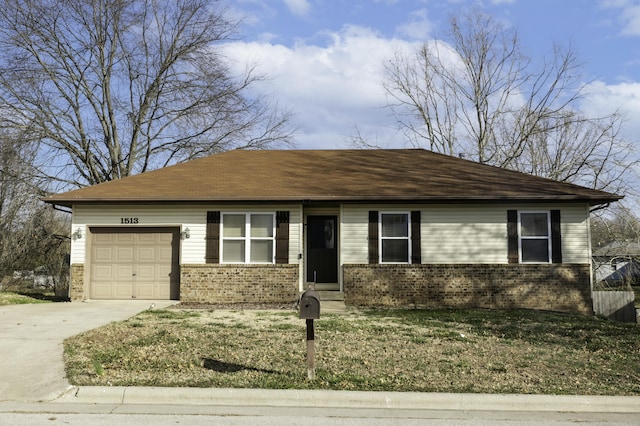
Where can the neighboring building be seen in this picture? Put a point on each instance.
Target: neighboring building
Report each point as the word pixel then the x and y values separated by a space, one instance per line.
pixel 382 227
pixel 38 277
pixel 617 264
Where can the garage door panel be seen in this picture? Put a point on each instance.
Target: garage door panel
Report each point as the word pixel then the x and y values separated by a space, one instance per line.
pixel 164 254
pixel 162 293
pixel 124 238
pixel 152 291
pixel 146 254
pixel 103 238
pixel 134 263
pixel 103 254
pixel 102 291
pixel 163 271
pixel 164 238
pixel 147 273
pixel 102 273
pixel 123 290
pixel 149 239
pixel 124 254
pixel 112 290
pixel 123 272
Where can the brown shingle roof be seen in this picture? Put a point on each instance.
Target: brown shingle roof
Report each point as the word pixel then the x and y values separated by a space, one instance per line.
pixel 331 175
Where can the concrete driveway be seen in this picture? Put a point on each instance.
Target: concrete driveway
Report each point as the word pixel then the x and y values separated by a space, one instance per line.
pixel 31 366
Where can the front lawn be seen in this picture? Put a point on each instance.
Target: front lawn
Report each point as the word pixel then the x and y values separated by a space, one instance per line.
pixel 391 350
pixel 10 298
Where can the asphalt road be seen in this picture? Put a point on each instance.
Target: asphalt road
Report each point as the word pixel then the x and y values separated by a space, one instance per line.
pixel 277 416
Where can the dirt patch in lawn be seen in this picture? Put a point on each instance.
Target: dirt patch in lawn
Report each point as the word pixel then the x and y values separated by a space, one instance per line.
pixel 391 350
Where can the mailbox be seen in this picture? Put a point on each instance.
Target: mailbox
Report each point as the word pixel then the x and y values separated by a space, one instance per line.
pixel 310 305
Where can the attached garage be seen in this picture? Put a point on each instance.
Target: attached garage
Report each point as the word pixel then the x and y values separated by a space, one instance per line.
pixel 134 263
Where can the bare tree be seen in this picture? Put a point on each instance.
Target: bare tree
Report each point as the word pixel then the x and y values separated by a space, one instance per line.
pixel 477 95
pixel 18 184
pixel 572 148
pixel 32 236
pixel 618 224
pixel 110 88
pixel 14 191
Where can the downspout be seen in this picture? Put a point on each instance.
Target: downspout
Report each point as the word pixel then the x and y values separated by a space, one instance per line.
pixel 590 256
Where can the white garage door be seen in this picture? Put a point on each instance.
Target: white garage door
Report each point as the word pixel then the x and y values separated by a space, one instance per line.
pixel 138 263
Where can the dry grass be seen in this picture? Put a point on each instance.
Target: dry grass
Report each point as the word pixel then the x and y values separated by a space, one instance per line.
pixel 404 350
pixel 9 298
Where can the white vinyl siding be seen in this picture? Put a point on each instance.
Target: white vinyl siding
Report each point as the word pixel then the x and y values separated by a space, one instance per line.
pixel 459 233
pixel 354 231
pixel 173 216
pixel 192 249
pixel 464 234
pixel 574 225
pixel 451 233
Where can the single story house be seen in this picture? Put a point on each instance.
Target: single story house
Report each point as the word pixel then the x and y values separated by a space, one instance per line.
pixel 403 227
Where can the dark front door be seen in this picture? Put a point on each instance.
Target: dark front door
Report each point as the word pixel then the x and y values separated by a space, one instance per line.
pixel 322 249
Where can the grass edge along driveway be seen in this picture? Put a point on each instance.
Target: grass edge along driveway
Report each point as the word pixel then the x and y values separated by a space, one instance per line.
pixel 478 351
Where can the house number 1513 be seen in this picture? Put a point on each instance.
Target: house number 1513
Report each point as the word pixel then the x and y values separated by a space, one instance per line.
pixel 128 220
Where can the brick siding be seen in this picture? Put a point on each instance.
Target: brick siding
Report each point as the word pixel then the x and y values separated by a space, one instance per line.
pixel 215 283
pixel 76 288
pixel 561 287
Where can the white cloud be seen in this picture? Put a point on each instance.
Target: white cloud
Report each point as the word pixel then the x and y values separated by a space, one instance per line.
pixel 629 15
pixel 331 89
pixel 632 20
pixel 298 7
pixel 335 86
pixel 419 27
pixel 602 99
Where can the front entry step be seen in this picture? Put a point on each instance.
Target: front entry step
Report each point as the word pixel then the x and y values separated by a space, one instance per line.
pixel 332 302
pixel 332 307
pixel 331 295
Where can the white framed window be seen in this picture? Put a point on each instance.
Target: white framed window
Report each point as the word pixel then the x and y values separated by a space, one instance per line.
pixel 534 236
pixel 395 237
pixel 248 237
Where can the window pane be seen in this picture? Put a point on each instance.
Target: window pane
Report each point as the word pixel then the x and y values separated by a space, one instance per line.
pixel 321 233
pixel 262 225
pixel 233 251
pixel 395 225
pixel 262 251
pixel 534 225
pixel 395 250
pixel 233 225
pixel 535 250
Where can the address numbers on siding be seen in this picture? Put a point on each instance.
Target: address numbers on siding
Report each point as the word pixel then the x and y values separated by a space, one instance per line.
pixel 129 220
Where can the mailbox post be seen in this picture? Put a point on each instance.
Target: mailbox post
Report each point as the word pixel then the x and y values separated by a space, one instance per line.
pixel 310 310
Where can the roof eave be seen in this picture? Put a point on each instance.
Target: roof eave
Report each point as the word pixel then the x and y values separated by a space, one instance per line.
pixel 348 199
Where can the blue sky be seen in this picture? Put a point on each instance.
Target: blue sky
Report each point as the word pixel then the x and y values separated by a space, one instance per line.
pixel 325 57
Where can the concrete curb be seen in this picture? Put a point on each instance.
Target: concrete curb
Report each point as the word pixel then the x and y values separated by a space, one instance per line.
pixel 351 399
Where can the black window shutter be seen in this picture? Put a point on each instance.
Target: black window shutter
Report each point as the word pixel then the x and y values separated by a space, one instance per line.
pixel 416 256
pixel 212 250
pixel 373 237
pixel 556 239
pixel 282 237
pixel 512 235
